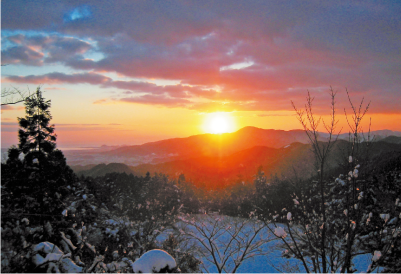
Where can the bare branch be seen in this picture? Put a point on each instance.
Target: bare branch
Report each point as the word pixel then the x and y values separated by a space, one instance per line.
pixel 14 96
pixel 245 239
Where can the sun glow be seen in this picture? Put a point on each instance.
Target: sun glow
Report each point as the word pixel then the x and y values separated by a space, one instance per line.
pixel 219 122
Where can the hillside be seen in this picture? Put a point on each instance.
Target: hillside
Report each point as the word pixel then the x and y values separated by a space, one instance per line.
pixel 392 139
pixel 216 171
pixel 101 169
pixel 242 165
pixel 208 145
pixel 213 145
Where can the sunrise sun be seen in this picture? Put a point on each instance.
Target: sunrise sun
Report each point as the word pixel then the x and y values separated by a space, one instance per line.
pixel 219 122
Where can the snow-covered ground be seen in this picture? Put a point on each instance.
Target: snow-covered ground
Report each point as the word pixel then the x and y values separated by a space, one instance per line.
pixel 272 262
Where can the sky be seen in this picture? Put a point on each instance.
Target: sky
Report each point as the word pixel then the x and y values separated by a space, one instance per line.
pixel 130 72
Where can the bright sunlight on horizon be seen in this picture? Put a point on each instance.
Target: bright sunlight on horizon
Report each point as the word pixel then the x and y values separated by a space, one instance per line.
pixel 219 122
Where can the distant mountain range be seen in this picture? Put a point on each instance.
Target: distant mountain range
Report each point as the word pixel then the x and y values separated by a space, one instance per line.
pixel 227 157
pixel 208 145
pixel 213 145
pixel 219 145
pixel 240 165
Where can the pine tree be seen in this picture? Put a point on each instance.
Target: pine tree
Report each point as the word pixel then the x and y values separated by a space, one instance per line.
pixel 35 184
pixel 38 145
pixel 36 136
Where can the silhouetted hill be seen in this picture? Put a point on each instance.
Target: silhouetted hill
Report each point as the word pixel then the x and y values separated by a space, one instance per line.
pixel 103 169
pixel 291 160
pixel 392 139
pixel 212 145
pixel 296 159
pixel 218 145
pixel 242 165
pixel 375 135
pixel 78 168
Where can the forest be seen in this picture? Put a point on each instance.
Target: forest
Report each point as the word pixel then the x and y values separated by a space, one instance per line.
pixel 55 221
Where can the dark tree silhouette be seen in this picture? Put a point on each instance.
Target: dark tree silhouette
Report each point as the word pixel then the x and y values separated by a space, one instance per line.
pixel 32 184
pixel 36 136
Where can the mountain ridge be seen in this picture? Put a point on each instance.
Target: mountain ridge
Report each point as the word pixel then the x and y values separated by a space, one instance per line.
pixel 211 145
pixel 214 144
pixel 296 159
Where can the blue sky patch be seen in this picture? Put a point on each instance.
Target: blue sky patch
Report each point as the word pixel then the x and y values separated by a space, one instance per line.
pixel 78 13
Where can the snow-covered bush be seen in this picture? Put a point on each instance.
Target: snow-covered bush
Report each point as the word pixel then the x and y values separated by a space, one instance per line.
pixel 89 235
pixel 155 261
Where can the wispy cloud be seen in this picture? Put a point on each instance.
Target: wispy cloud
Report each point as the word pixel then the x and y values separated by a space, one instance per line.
pixel 60 78
pixel 232 55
